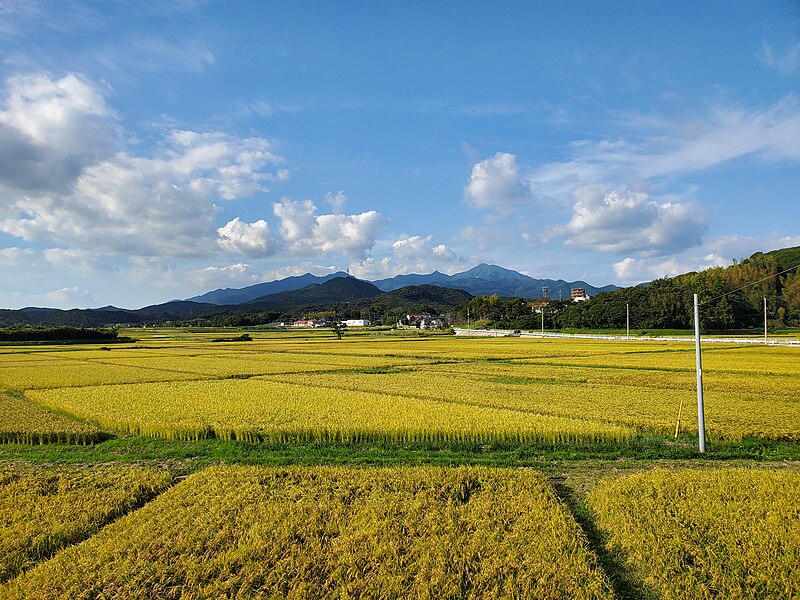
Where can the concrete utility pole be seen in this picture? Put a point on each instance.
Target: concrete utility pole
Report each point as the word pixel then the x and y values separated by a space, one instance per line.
pixel 701 421
pixel 544 298
pixel 765 319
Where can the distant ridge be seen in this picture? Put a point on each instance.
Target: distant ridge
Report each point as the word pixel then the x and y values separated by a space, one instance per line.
pixel 486 280
pixel 317 295
pixel 307 293
pixel 663 303
pixel 481 280
pixel 246 294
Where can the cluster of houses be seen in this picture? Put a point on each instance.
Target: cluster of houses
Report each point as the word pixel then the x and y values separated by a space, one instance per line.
pixel 420 321
pixel 313 323
pixel 417 321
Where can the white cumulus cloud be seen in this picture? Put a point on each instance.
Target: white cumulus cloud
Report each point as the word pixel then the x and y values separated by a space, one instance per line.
pixel 66 186
pixel 634 270
pixel 233 274
pixel 306 232
pixel 414 254
pixel 250 239
pixel 418 248
pixel 50 130
pixel 622 221
pixel 495 183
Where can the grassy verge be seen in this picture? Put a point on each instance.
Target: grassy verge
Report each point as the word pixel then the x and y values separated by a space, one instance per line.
pixel 191 456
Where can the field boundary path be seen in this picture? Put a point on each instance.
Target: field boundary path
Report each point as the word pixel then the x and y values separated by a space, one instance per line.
pixel 587 336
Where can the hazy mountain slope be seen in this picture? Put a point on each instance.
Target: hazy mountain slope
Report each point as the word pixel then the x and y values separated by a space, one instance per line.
pixel 339 289
pixel 259 290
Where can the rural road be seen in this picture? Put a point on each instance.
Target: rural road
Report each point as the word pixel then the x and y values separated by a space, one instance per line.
pixel 584 336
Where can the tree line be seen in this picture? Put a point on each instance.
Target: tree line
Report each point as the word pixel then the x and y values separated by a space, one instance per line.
pixel 21 333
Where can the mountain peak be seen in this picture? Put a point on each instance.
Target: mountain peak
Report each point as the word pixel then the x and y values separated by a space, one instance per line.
pixel 337 289
pixel 491 273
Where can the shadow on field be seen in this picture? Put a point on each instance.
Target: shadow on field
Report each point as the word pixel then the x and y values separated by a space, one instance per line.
pixel 625 583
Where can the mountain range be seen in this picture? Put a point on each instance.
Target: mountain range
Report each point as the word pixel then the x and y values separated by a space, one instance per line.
pixel 482 280
pixel 734 296
pixel 304 294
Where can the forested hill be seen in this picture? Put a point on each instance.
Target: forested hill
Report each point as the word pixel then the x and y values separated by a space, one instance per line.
pixel 732 296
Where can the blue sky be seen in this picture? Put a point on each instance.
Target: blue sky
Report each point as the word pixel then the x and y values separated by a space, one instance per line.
pixel 156 150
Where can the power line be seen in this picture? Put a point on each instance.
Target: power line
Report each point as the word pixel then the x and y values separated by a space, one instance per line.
pixel 751 284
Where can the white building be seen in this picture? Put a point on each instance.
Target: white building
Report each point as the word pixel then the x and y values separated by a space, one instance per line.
pixel 357 322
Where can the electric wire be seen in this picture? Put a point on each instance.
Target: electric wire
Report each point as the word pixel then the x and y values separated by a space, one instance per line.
pixel 751 284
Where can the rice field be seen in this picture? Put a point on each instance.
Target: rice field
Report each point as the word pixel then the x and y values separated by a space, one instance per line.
pixel 242 532
pixel 44 510
pixel 453 532
pixel 268 410
pixel 431 390
pixel 22 422
pixel 728 533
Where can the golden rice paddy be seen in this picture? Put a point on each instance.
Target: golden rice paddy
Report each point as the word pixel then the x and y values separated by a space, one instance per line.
pixel 322 532
pixel 425 389
pixel 728 533
pixel 44 510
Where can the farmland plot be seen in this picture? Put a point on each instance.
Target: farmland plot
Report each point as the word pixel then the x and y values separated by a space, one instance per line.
pixel 43 510
pixel 267 410
pixel 728 533
pixel 334 532
pixel 402 389
pixel 22 422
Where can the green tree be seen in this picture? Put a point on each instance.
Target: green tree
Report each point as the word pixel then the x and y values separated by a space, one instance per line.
pixel 338 328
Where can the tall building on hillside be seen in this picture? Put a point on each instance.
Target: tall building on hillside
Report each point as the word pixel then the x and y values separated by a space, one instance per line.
pixel 578 294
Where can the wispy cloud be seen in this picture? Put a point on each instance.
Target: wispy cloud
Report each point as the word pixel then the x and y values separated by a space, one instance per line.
pixel 14 256
pixel 666 147
pixel 269 109
pixel 786 61
pixel 149 54
pixel 20 18
pixel 494 109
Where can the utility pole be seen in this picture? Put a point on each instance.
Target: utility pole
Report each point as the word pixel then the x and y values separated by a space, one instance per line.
pixel 701 421
pixel 765 319
pixel 544 302
pixel 468 322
